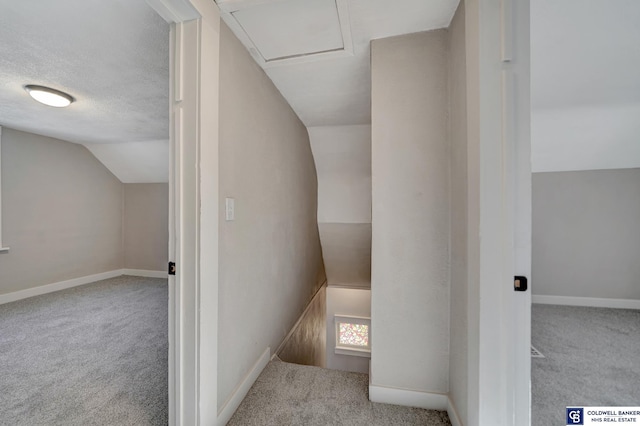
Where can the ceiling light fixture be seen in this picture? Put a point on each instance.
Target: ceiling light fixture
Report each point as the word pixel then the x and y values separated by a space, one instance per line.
pixel 49 96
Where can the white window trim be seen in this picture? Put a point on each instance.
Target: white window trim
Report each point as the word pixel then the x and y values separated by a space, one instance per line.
pixel 351 350
pixel 3 249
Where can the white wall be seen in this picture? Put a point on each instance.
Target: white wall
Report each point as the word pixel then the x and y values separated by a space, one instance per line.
pixel 2 247
pixel 585 91
pixel 410 220
pixel 459 192
pixel 346 250
pixel 586 233
pixel 65 215
pixel 62 212
pixel 591 137
pixel 346 301
pixel 270 258
pixel 146 226
pixel 342 155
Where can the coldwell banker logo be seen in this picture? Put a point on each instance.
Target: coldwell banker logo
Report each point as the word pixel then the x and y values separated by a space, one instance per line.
pixel 575 416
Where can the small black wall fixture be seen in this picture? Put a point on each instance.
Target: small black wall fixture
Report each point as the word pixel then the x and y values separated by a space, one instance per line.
pixel 520 283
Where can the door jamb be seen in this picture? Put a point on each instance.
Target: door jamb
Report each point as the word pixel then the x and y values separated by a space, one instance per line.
pixel 193 210
pixel 499 203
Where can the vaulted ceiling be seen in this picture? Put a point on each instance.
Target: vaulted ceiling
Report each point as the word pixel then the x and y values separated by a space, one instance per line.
pixel 585 84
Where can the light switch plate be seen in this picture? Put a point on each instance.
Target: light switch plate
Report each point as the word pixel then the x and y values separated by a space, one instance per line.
pixel 230 209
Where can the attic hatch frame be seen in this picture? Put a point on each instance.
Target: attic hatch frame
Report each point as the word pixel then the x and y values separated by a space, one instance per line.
pixel 229 7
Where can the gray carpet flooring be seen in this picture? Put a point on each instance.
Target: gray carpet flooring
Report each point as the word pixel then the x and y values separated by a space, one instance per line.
pixel 592 358
pixel 291 394
pixel 90 355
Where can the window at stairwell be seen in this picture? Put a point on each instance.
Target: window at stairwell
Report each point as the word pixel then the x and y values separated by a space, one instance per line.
pixel 353 335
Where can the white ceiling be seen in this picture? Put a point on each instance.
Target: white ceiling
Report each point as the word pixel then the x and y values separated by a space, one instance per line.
pixel 328 90
pixel 112 56
pixel 135 162
pixel 585 84
pixel 272 26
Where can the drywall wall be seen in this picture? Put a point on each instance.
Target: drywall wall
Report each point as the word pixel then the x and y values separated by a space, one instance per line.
pixel 458 156
pixel 306 344
pixel 410 212
pixel 270 257
pixel 605 136
pixel 346 249
pixel 350 302
pixel 2 247
pixel 586 233
pixel 62 212
pixel 342 155
pixel 585 91
pixel 146 226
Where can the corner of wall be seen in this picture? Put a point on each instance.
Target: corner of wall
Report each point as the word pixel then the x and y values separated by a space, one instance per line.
pixel 122 222
pixel 453 413
pixel 235 399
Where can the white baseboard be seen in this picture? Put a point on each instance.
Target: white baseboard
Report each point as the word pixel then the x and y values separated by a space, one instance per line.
pixel 145 273
pixel 62 285
pixel 409 398
pixel 587 301
pixel 233 402
pixel 453 413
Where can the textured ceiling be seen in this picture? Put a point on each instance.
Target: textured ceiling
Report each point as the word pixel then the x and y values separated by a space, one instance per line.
pixel 585 84
pixel 337 91
pixel 112 56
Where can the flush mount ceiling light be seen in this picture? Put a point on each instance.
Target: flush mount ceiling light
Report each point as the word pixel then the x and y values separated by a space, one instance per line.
pixel 49 96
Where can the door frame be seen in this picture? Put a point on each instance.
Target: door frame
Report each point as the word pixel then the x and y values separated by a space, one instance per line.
pixel 522 205
pixel 193 209
pixel 499 184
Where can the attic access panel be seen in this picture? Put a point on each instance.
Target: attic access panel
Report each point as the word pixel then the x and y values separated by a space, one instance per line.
pixel 290 31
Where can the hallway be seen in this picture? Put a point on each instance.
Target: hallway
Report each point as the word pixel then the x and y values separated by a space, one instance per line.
pixel 291 394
